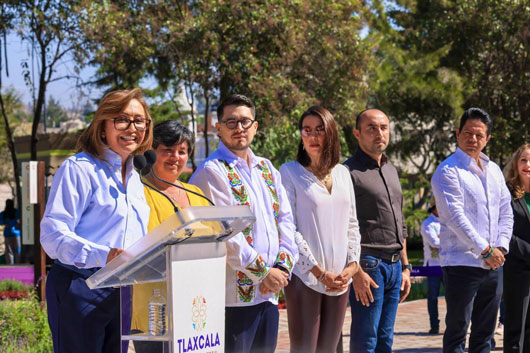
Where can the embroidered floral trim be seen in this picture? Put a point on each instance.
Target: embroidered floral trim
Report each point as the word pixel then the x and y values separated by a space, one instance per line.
pixel 269 181
pixel 285 260
pixel 245 285
pixel 246 289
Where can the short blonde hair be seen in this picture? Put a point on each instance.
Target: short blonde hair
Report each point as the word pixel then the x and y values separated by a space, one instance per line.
pixel 115 102
pixel 511 172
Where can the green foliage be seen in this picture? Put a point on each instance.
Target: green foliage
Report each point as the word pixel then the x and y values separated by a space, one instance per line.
pixel 416 190
pixel 55 113
pixel 487 44
pixel 283 54
pixel 117 40
pixel 8 284
pixel 24 327
pixel 278 143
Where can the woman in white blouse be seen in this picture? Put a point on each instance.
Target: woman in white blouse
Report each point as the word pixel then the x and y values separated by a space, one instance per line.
pixel 321 194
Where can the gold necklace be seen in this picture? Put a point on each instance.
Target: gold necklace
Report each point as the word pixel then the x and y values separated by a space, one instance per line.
pixel 324 179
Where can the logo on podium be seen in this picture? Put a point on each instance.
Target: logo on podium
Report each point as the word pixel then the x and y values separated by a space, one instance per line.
pixel 198 313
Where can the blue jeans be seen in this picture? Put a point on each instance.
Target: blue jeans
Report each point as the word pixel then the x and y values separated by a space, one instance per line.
pixel 433 292
pixel 372 327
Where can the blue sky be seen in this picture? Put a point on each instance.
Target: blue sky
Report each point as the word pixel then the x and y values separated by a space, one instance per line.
pixel 65 91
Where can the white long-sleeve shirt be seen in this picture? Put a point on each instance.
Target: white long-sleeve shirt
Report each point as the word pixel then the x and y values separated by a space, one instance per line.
pixel 430 232
pixel 474 209
pixel 267 246
pixel 327 227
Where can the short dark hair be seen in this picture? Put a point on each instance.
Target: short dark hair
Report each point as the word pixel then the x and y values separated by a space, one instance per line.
pixel 477 114
pixel 236 99
pixel 331 150
pixel 359 116
pixel 170 133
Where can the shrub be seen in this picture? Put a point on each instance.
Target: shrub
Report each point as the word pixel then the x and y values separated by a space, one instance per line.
pixel 24 327
pixel 9 284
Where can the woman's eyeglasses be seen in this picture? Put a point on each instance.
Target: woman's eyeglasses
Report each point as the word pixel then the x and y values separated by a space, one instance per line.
pixel 122 123
pixel 319 131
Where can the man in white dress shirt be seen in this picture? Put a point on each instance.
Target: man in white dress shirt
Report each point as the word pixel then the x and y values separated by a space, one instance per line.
pixel 261 258
pixel 430 232
pixel 476 226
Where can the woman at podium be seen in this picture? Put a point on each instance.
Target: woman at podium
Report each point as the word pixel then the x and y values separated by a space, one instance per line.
pixel 96 208
pixel 322 198
pixel 173 144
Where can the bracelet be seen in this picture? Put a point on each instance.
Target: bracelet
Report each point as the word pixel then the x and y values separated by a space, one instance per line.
pixel 488 255
pixel 322 276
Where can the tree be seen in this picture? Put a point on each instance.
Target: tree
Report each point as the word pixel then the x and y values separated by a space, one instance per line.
pixel 10 104
pixel 488 45
pixel 284 54
pixel 118 41
pixel 55 113
pixel 50 27
pixel 7 103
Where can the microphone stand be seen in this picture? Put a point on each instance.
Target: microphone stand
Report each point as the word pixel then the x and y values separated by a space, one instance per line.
pixel 224 223
pixel 181 187
pixel 188 232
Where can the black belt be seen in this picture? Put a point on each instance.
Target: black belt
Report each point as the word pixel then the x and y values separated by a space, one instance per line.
pixel 392 257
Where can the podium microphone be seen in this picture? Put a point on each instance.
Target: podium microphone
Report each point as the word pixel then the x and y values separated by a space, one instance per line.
pixel 140 163
pixel 150 158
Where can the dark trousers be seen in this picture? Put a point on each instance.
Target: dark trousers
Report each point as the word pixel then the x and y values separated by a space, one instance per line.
pixel 251 328
pixel 317 329
pixel 516 304
pixel 433 283
pixel 82 320
pixel 471 294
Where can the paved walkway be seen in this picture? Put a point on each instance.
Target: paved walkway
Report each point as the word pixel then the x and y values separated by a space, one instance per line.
pixel 412 325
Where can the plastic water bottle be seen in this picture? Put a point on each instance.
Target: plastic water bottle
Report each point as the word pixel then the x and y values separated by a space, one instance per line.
pixel 157 314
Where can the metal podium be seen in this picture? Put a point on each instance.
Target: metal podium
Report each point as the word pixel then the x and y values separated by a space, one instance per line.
pixel 188 252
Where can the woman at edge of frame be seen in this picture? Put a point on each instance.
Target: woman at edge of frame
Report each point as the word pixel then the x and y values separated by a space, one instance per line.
pixel 322 198
pixel 95 210
pixel 516 270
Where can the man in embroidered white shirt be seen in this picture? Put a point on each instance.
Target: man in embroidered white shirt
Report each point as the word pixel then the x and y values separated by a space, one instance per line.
pixel 261 258
pixel 476 221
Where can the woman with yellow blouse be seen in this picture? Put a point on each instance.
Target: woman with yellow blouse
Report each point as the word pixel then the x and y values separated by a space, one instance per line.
pixel 173 144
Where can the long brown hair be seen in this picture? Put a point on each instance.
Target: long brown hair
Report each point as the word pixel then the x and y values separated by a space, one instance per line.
pixel 115 102
pixel 330 155
pixel 511 172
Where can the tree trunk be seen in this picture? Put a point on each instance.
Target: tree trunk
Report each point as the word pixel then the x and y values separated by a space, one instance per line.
pixel 11 146
pixel 37 110
pixel 206 124
pixel 224 88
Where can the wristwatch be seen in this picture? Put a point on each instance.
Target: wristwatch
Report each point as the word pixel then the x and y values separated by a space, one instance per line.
pixel 406 267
